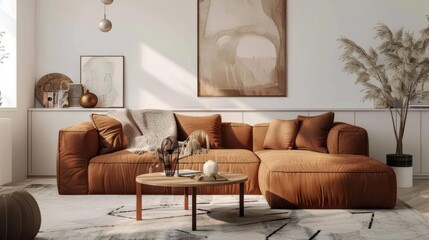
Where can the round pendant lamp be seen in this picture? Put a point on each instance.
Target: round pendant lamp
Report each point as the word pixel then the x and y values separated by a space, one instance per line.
pixel 107 2
pixel 105 25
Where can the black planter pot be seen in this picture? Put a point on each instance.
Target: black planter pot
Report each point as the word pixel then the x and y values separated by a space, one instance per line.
pixel 404 160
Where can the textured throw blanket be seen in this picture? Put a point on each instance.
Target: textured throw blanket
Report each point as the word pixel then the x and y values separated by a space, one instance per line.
pixel 155 126
pixel 145 129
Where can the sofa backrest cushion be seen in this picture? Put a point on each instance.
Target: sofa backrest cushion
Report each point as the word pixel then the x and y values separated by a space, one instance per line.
pixel 131 132
pixel 110 132
pixel 211 124
pixel 344 138
pixel 313 132
pixel 281 134
pixel 237 135
pixel 259 133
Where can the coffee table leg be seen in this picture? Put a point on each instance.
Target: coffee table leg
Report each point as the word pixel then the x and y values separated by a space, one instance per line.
pixel 138 201
pixel 242 199
pixel 186 203
pixel 194 208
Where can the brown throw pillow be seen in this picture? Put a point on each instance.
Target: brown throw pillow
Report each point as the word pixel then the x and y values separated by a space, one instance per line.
pixel 313 132
pixel 281 134
pixel 110 133
pixel 211 124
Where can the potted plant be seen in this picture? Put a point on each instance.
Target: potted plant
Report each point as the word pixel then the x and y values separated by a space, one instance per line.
pixel 3 55
pixel 392 75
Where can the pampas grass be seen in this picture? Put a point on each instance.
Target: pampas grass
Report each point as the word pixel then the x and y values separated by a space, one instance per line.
pixel 392 74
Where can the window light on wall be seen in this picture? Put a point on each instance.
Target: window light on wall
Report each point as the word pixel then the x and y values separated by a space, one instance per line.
pixel 8 77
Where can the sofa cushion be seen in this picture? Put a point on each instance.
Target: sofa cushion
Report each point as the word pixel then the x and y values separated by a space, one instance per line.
pixel 229 160
pixel 281 134
pixel 115 173
pixel 308 161
pixel 131 132
pixel 236 135
pixel 313 132
pixel 345 138
pixel 258 136
pixel 306 179
pixel 110 133
pixel 211 124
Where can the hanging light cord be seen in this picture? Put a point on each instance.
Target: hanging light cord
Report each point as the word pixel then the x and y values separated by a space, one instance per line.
pixel 104 11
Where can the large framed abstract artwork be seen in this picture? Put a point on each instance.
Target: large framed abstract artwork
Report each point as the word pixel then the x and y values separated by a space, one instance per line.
pixel 104 76
pixel 242 48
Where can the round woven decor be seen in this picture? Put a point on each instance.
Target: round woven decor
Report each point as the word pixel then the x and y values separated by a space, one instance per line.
pixel 51 83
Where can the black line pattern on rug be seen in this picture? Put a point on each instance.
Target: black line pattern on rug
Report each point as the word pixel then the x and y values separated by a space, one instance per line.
pixel 182 231
pixel 372 217
pixel 372 220
pixel 268 237
pixel 81 228
pixel 113 213
pixel 314 235
pixel 151 208
pixel 361 212
pixel 270 214
pixel 263 221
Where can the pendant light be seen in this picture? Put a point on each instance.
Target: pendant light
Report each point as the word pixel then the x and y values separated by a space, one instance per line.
pixel 105 24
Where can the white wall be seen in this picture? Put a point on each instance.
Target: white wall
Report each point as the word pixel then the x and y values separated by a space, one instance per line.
pixel 159 41
pixel 25 57
pixel 8 68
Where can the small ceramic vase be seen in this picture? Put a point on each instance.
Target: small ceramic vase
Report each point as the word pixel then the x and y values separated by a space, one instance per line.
pixel 88 100
pixel 210 168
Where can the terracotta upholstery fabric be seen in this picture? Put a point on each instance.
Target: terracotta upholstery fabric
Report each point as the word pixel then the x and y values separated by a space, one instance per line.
pixel 110 133
pixel 237 136
pixel 287 178
pixel 281 134
pixel 76 146
pixel 313 132
pixel 211 124
pixel 259 132
pixel 305 179
pixel 348 139
pixel 115 173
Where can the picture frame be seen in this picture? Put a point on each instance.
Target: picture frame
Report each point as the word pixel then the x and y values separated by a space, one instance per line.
pixel 104 76
pixel 242 48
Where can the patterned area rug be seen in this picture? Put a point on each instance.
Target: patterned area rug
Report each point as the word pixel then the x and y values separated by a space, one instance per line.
pixel 113 217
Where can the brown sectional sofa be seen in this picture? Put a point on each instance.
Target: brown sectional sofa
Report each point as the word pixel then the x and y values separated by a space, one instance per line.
pixel 343 178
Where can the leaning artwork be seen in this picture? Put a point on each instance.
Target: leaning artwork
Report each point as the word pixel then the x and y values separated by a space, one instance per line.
pixel 241 48
pixel 104 76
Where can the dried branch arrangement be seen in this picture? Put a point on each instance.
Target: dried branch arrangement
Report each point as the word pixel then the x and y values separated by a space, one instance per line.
pixel 392 74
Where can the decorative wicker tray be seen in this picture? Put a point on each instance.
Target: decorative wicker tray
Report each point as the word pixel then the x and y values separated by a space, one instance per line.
pixel 51 83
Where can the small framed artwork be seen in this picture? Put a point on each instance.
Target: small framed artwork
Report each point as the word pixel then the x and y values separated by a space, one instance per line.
pixel 104 76
pixel 242 48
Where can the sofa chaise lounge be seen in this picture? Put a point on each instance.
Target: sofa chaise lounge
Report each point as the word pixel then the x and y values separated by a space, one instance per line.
pixel 343 177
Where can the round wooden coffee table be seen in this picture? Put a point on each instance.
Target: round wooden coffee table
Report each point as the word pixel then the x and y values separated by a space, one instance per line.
pixel 160 180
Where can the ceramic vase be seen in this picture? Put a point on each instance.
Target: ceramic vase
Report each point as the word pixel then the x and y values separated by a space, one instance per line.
pixel 88 100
